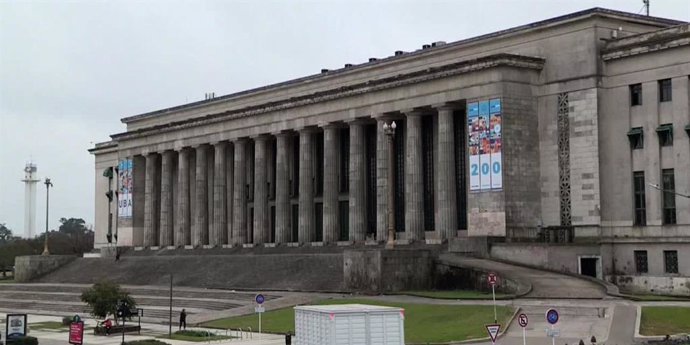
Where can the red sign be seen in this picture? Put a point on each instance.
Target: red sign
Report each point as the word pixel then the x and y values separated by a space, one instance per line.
pixel 522 320
pixel 492 278
pixel 76 333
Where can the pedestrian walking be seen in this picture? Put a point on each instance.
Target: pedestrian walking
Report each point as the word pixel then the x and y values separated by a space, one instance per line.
pixel 183 320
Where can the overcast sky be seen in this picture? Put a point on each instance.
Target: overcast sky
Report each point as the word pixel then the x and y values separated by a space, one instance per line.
pixel 70 70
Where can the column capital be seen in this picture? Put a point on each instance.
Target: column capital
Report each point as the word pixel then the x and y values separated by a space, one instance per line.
pixel 412 112
pixel 200 146
pixel 240 140
pixel 357 121
pixel 328 125
pixel 445 106
pixel 282 133
pixel 260 137
pixel 218 143
pixel 309 129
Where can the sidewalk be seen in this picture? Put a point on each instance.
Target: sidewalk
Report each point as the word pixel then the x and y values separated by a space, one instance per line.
pixel 148 331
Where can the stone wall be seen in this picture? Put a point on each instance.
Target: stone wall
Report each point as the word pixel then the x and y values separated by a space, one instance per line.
pixel 376 271
pixel 562 258
pixel 27 268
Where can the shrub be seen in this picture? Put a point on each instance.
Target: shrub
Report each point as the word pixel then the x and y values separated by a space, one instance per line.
pixel 66 320
pixel 23 341
pixel 103 298
pixel 191 333
pixel 145 342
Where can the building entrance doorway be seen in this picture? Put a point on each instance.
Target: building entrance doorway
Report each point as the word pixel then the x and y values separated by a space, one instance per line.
pixel 590 266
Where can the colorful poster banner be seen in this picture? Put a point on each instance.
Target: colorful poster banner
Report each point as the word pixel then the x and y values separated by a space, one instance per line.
pixel 473 144
pixel 496 142
pixel 125 187
pixel 485 144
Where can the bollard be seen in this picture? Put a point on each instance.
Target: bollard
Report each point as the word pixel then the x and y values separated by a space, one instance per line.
pixel 593 340
pixel 241 334
pixel 581 342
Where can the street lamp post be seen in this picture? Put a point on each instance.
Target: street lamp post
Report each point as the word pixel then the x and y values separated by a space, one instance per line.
pixel 45 243
pixel 389 130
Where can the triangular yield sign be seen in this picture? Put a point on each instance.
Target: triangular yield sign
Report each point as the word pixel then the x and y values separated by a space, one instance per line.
pixel 493 331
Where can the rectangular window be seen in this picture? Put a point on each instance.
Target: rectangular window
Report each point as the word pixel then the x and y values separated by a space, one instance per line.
pixel 636 138
pixel 669 196
pixel 665 90
pixel 665 133
pixel 635 94
pixel 639 198
pixel 641 261
pixel 671 261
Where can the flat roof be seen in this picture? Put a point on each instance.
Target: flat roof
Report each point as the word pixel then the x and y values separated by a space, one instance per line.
pixel 661 22
pixel 348 308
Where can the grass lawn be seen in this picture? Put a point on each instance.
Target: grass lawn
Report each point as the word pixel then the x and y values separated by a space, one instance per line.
pixel 49 325
pixel 665 320
pixel 657 298
pixel 6 281
pixel 423 322
pixel 455 294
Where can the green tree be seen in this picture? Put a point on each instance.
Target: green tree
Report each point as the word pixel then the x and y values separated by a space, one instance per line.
pixel 104 297
pixel 72 226
pixel 5 233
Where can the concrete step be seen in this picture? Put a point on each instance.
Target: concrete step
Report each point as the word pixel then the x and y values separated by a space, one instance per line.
pixel 303 272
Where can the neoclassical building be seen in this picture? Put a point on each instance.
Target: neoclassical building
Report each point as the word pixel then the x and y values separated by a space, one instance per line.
pixel 568 130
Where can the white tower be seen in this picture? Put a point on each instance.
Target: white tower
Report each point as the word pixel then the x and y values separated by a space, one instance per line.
pixel 30 180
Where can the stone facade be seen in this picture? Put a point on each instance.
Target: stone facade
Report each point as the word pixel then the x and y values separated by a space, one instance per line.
pixel 306 162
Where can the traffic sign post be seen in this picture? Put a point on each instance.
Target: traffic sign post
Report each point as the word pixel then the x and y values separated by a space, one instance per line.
pixel 552 318
pixel 522 320
pixel 493 331
pixel 493 279
pixel 260 299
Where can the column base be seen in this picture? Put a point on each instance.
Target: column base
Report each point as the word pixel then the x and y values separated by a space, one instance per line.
pixel 137 249
pixel 248 245
pixel 344 243
pixel 154 248
pixel 293 244
pixel 227 246
pixel 372 243
pixel 434 241
pixel 188 247
pixel 170 247
pixel 270 245
pixel 403 242
pixel 316 244
pixel 207 246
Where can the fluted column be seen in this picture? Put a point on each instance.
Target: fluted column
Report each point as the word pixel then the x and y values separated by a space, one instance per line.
pixel 166 215
pixel 219 234
pixel 239 211
pixel 261 212
pixel 229 191
pixel 330 183
pixel 446 206
pixel 282 190
pixel 200 233
pixel 381 182
pixel 182 228
pixel 414 187
pixel 306 187
pixel 150 201
pixel 358 172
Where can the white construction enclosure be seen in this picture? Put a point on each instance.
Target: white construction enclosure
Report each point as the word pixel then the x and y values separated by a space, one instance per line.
pixel 349 324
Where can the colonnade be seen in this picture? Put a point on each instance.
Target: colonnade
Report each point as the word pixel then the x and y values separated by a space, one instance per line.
pixel 240 191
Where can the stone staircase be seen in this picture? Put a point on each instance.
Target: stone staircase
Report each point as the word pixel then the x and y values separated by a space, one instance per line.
pixel 311 271
pixel 64 300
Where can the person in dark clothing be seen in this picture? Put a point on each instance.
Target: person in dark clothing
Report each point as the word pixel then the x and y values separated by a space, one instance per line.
pixel 288 338
pixel 183 320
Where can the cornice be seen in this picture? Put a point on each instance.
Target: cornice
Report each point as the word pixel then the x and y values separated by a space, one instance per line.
pixel 647 43
pixel 483 63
